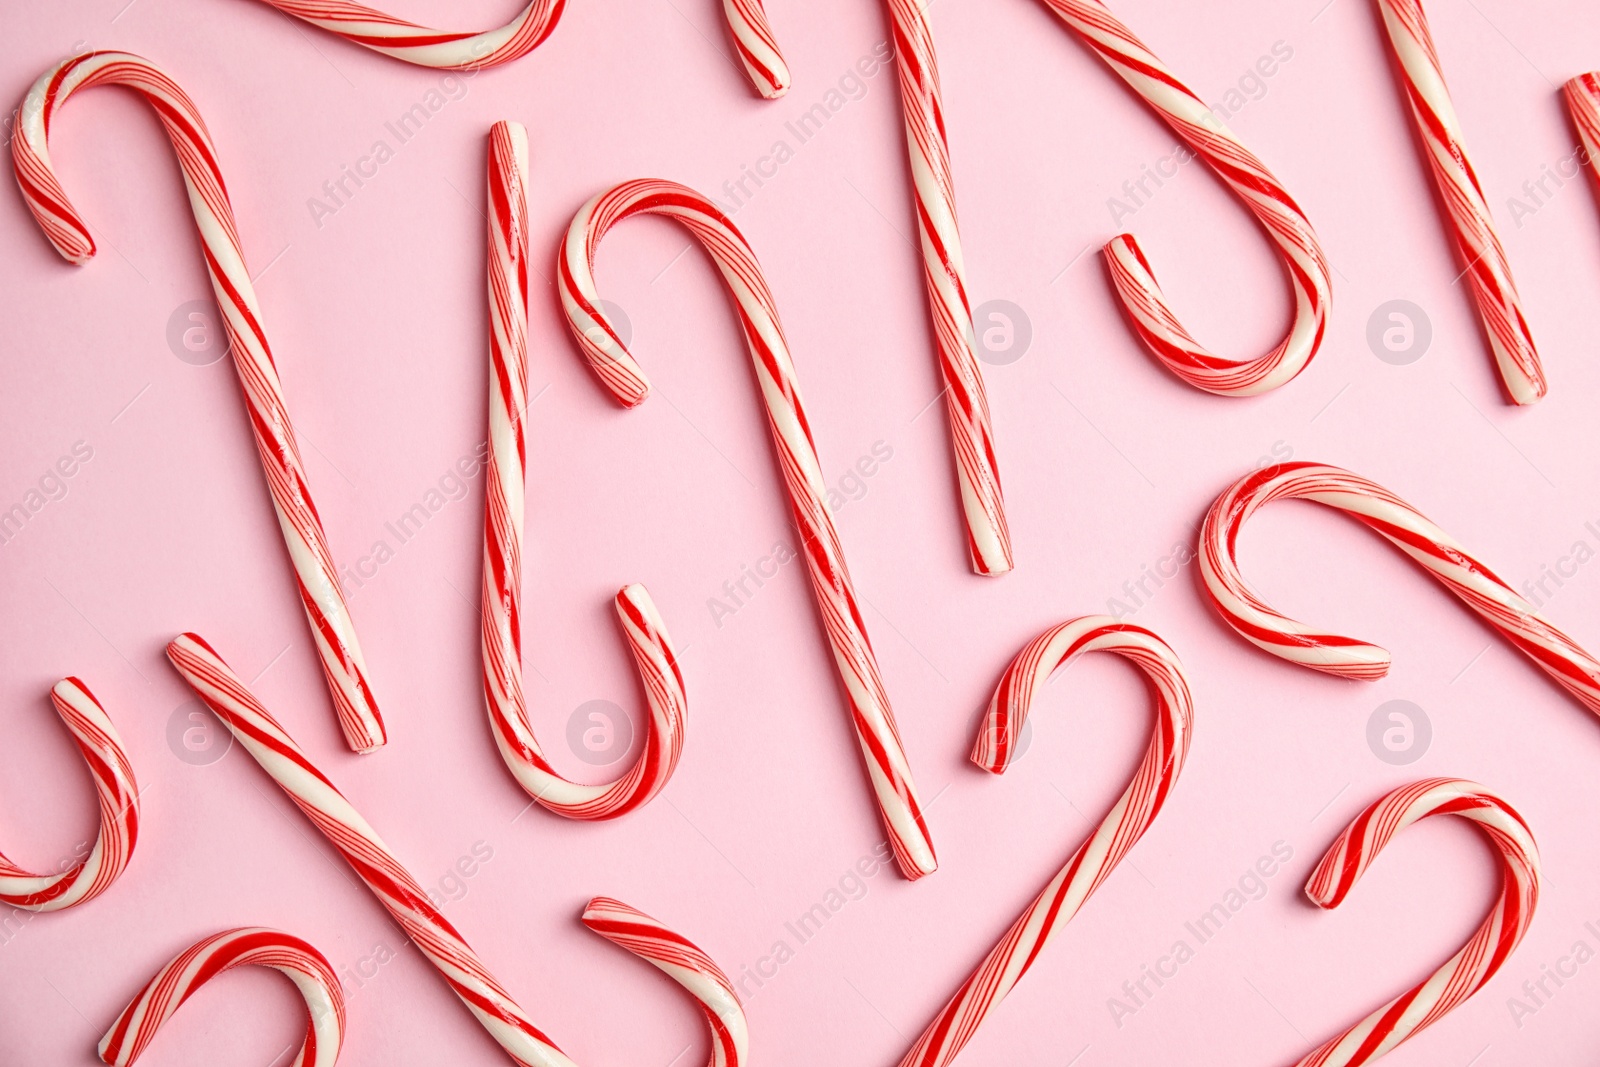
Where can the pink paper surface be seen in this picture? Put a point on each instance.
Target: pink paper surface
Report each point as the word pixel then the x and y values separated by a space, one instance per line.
pixel 376 314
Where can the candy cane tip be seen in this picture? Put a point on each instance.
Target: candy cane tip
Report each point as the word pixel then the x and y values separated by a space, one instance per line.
pixel 1319 898
pixel 633 396
pixel 70 687
pixel 776 87
pixel 988 753
pixel 1525 394
pixel 188 646
pixel 596 909
pixel 519 138
pixel 997 568
pixel 1125 247
pixel 1359 663
pixel 637 596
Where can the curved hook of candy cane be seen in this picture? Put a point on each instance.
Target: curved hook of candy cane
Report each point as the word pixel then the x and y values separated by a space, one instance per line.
pixel 446 50
pixel 685 963
pixel 1583 101
pixel 1117 833
pixel 757 47
pixel 102 749
pixel 1058 646
pixel 1486 267
pixel 1489 947
pixel 1440 555
pixel 332 628
pixel 266 742
pixel 424 47
pixel 653 654
pixel 175 983
pixel 1284 223
pixel 608 357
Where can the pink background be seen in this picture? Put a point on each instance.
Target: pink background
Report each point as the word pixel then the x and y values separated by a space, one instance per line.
pixel 378 322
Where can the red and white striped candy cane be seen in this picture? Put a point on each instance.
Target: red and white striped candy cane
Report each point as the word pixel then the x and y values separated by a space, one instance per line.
pixel 1117 833
pixel 1464 973
pixel 87 876
pixel 757 47
pixel 1583 100
pixel 310 971
pixel 1487 269
pixel 401 896
pixel 502 539
pixel 1407 529
pixel 332 629
pixel 424 47
pixel 685 963
pixel 1284 223
pixel 449 50
pixel 797 456
pixel 945 275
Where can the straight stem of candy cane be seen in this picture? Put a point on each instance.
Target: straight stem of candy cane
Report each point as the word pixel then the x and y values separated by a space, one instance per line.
pixel 401 896
pixel 1487 270
pixel 1117 833
pixel 1440 555
pixel 1583 101
pixel 1489 947
pixel 424 47
pixel 503 539
pixel 757 47
pixel 835 596
pixel 944 273
pixel 309 969
pixel 86 877
pixel 1281 219
pixel 332 629
pixel 685 963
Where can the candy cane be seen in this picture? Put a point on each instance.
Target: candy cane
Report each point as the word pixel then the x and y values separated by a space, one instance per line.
pixel 445 50
pixel 440 49
pixel 1471 224
pixel 685 963
pixel 797 454
pixel 1490 946
pixel 1583 100
pixel 310 971
pixel 1406 528
pixel 88 876
pixel 1286 226
pixel 1117 833
pixel 944 275
pixel 757 47
pixel 502 545
pixel 332 629
pixel 399 893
